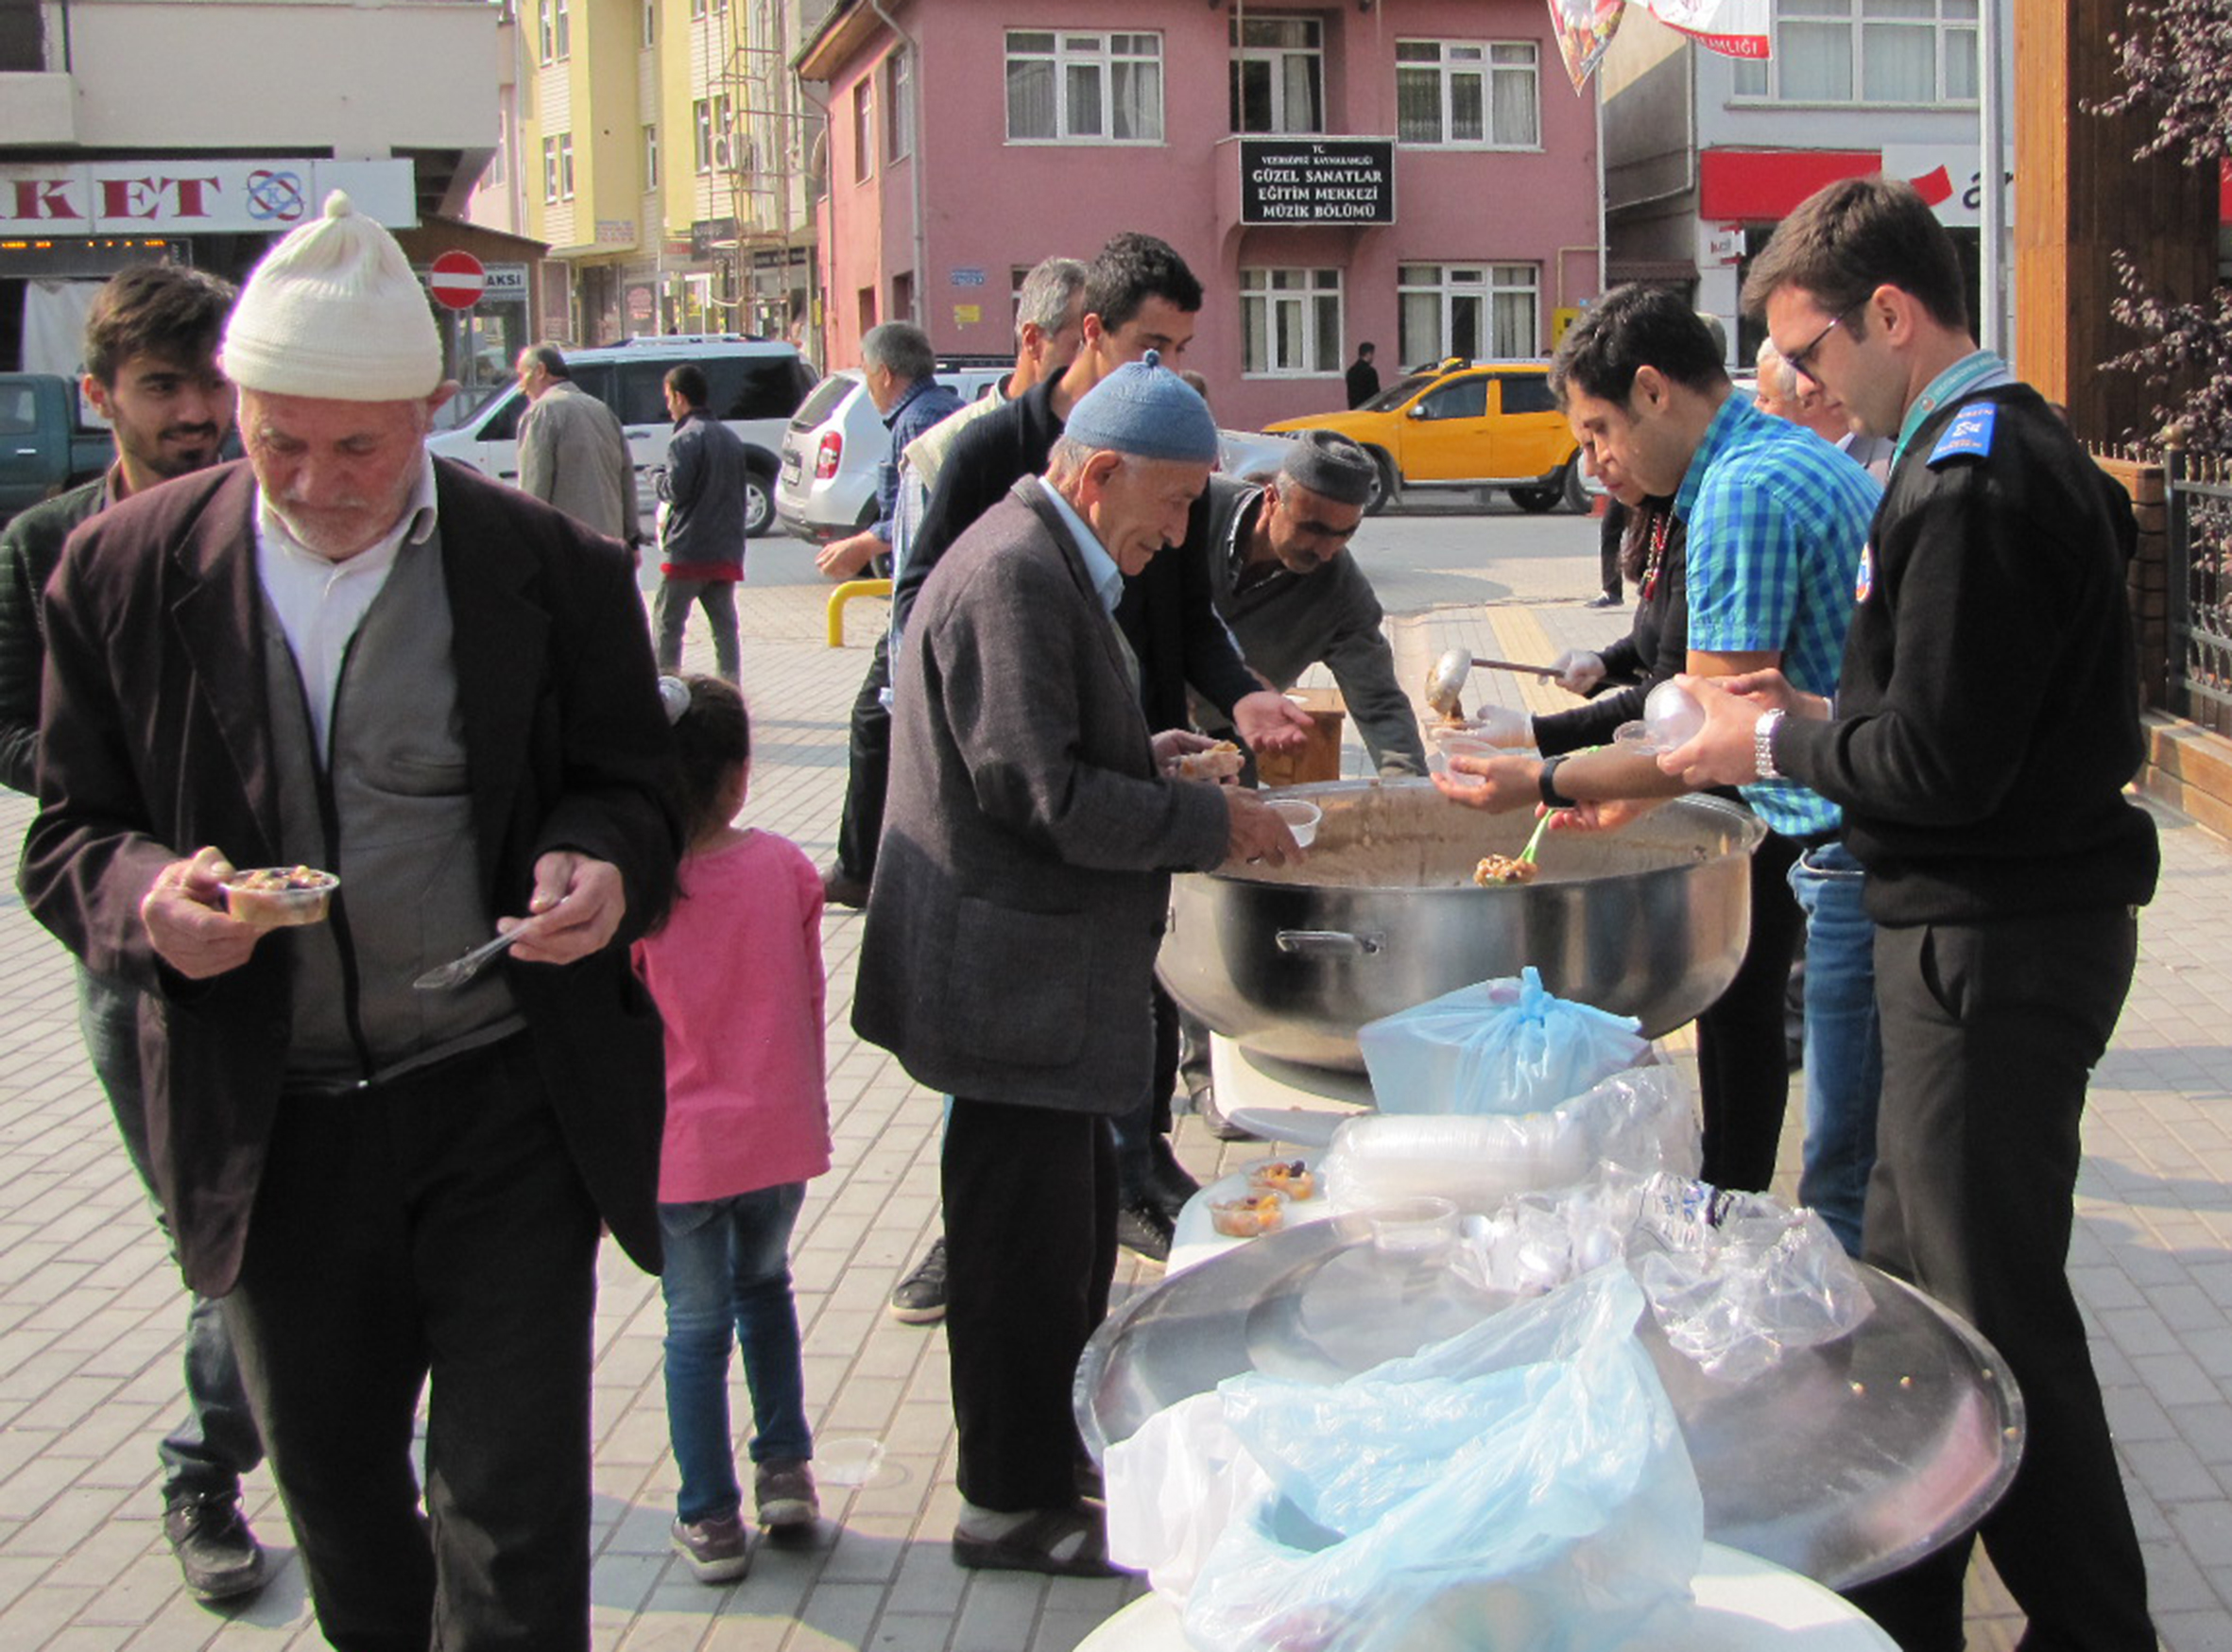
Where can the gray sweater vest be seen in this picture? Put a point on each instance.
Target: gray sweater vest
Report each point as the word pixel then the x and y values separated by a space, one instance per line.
pixel 390 813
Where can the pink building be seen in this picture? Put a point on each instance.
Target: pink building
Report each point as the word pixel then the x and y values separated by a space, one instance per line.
pixel 1414 174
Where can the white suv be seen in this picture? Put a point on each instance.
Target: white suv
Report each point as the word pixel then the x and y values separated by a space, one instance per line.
pixel 757 385
pixel 834 443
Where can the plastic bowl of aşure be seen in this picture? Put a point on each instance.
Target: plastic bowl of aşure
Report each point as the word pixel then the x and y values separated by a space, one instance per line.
pixel 274 897
pixel 1302 817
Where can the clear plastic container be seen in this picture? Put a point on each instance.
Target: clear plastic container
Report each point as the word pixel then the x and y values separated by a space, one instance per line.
pixel 1672 714
pixel 273 897
pixel 1302 817
pixel 1292 1178
pixel 1249 1215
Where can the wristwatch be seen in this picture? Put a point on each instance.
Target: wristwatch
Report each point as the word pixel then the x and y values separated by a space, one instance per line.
pixel 1764 745
pixel 1547 784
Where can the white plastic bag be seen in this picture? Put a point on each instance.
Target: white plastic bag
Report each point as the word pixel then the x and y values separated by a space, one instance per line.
pixel 1735 1280
pixel 1640 1118
pixel 1494 1047
pixel 1523 1484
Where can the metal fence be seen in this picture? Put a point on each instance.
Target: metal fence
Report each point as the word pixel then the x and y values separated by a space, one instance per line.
pixel 2198 586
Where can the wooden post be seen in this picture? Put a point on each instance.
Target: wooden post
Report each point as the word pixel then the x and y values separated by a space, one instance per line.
pixel 2079 196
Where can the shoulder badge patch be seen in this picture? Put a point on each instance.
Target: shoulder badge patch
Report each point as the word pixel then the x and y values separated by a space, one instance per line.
pixel 1969 432
pixel 1866 580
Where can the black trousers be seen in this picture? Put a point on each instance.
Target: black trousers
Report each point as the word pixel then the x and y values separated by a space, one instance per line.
pixel 860 828
pixel 1030 1197
pixel 1990 1035
pixel 429 1231
pixel 1743 1076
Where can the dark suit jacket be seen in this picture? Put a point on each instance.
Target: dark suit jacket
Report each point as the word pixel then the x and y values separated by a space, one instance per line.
pixel 1022 881
pixel 156 741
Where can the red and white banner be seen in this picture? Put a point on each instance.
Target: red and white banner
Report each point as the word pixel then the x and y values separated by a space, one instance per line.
pixel 182 195
pixel 1734 28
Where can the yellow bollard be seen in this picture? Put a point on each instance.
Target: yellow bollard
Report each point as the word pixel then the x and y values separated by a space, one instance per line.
pixel 845 593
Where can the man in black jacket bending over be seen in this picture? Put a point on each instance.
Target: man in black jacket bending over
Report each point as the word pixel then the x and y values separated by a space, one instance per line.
pixel 1138 297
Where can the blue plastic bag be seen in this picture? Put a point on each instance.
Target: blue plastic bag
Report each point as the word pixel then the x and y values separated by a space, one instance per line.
pixel 1494 1047
pixel 1521 1485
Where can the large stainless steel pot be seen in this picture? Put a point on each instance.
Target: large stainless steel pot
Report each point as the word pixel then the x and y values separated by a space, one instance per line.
pixel 1650 921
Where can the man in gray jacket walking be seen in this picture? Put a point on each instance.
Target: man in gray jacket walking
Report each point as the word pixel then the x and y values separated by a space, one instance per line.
pixel 572 452
pixel 701 541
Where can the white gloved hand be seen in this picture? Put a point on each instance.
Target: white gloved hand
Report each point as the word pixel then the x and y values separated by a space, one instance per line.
pixel 1505 726
pixel 1578 670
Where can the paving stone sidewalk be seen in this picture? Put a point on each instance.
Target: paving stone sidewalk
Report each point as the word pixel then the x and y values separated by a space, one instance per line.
pixel 90 1311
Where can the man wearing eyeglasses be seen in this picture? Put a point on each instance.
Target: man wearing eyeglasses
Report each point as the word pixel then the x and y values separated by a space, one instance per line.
pixel 1984 726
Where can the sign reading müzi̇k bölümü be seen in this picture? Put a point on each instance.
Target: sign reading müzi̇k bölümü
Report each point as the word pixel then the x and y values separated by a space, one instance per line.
pixel 1316 181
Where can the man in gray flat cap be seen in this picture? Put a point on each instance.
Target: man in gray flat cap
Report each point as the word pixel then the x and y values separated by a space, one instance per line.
pixel 1014 920
pixel 1279 581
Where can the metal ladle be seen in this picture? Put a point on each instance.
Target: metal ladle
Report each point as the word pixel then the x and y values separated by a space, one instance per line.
pixel 1445 683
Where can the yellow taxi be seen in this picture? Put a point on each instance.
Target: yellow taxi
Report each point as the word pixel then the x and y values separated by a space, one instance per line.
pixel 1478 425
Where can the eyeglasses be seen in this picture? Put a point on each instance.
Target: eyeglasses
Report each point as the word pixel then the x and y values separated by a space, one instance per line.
pixel 1800 359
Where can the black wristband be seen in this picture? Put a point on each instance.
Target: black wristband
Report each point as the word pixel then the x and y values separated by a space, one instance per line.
pixel 1547 784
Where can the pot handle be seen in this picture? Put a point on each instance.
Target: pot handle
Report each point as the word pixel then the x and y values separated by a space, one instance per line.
pixel 1336 942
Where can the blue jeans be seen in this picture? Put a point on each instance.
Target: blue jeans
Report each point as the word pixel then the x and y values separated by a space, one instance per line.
pixel 728 1263
pixel 216 1441
pixel 1844 1044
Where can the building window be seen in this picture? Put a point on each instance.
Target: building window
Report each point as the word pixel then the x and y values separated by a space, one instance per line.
pixel 499 163
pixel 902 296
pixel 1278 74
pixel 1290 323
pixel 565 165
pixel 562 30
pixel 696 8
pixel 1868 51
pixel 1480 94
pixel 864 129
pixel 545 37
pixel 701 126
pixel 1469 311
pixel 650 159
pixel 1066 87
pixel 650 22
pixel 550 169
pixel 899 107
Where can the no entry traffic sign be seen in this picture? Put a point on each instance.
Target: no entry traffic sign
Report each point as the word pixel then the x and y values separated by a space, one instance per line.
pixel 456 280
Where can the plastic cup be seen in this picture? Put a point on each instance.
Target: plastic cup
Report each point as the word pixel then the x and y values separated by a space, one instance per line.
pixel 1419 1230
pixel 846 1462
pixel 1466 743
pixel 1672 714
pixel 276 896
pixel 1302 817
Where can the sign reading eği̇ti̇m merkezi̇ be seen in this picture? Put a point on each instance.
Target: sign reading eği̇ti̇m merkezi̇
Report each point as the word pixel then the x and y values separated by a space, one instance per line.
pixel 1316 181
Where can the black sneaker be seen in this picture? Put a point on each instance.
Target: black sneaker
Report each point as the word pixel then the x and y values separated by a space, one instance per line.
pixel 218 1556
pixel 1145 1227
pixel 1213 1120
pixel 921 1297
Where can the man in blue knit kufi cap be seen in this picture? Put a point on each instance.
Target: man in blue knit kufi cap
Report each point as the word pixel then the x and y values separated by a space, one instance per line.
pixel 1136 453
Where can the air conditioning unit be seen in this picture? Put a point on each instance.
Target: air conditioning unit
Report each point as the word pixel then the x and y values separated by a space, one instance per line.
pixel 726 148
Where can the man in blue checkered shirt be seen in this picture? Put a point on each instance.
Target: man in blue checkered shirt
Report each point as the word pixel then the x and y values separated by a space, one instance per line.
pixel 1776 521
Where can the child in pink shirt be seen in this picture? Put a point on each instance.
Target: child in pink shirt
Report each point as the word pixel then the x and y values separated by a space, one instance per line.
pixel 737 973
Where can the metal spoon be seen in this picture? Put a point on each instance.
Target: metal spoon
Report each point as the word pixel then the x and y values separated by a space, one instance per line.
pixel 1446 682
pixel 459 970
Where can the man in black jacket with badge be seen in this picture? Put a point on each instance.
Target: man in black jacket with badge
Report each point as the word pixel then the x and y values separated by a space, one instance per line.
pixel 1985 724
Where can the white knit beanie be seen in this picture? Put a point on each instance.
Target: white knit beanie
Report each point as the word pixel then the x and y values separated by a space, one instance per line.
pixel 334 312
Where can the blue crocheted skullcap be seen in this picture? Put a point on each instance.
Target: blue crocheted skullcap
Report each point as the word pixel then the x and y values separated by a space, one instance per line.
pixel 1144 409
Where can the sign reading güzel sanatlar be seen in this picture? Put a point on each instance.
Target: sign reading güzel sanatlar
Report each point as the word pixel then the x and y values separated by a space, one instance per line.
pixel 1316 181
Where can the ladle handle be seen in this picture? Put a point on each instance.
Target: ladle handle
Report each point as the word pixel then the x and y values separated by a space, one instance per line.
pixel 1338 942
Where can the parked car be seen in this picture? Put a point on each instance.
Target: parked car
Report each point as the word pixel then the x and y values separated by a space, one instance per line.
pixel 42 447
pixel 827 489
pixel 1467 424
pixel 757 383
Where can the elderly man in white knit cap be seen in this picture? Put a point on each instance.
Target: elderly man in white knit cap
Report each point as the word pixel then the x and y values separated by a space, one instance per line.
pixel 1014 920
pixel 339 654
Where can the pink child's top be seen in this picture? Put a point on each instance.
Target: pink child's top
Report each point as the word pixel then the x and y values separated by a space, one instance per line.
pixel 737 975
